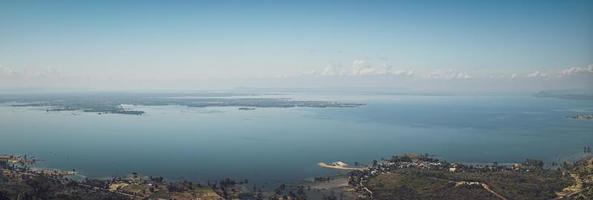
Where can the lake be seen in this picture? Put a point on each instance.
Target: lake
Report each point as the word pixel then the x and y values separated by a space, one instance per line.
pixel 271 145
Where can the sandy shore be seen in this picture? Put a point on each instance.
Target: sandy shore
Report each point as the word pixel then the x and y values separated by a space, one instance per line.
pixel 325 165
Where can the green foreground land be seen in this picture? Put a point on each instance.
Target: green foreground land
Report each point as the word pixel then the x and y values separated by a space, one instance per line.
pixel 406 176
pixel 419 177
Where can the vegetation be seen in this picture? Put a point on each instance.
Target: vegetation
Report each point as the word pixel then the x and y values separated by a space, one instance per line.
pixel 582 172
pixel 422 177
pixel 401 177
pixel 437 184
pixel 40 187
pixel 413 184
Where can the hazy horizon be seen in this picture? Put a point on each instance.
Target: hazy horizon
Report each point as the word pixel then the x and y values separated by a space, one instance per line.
pixel 307 99
pixel 457 47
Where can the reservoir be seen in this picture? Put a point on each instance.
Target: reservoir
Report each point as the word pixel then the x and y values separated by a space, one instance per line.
pixel 271 145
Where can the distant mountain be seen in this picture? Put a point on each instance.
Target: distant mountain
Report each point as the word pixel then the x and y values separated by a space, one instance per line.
pixel 566 94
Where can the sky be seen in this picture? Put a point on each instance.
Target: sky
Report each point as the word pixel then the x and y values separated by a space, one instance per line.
pixel 400 45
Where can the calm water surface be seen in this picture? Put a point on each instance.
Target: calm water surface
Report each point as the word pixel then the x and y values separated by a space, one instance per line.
pixel 268 145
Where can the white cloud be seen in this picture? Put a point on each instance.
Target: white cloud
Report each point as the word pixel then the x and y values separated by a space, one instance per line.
pixel 537 74
pixel 32 75
pixel 330 70
pixel 402 72
pixel 447 75
pixel 362 68
pixel 577 70
pixel 498 76
pixel 48 72
pixel 563 73
pixel 6 71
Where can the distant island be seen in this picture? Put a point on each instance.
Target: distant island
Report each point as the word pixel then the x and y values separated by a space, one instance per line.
pixel 113 103
pixel 566 94
pixel 407 176
pixel 582 116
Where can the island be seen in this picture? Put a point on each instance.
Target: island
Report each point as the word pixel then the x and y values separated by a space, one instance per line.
pixel 581 116
pixel 114 103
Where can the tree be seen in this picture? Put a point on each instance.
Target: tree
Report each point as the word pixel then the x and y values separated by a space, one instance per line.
pixel 534 163
pixel 3 196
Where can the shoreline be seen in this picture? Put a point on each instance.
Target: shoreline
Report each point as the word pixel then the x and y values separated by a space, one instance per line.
pixel 358 183
pixel 339 167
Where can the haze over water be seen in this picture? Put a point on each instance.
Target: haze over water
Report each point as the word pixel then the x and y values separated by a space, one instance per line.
pixel 269 145
pixel 277 92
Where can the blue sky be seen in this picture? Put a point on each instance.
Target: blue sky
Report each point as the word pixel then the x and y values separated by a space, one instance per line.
pixel 211 42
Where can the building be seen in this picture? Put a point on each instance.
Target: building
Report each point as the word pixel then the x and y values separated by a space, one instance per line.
pixel 3 164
